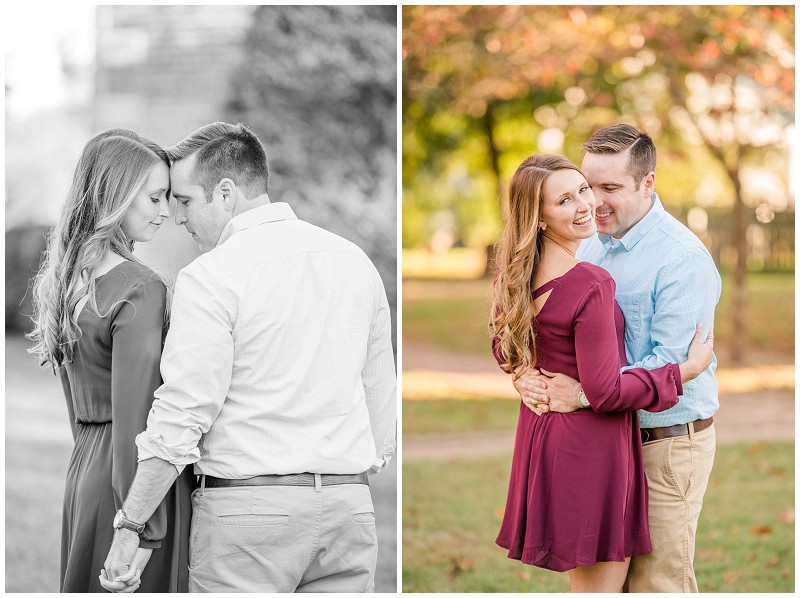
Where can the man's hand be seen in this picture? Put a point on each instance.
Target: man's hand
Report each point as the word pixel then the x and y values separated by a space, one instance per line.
pixel 130 582
pixel 531 387
pixel 562 392
pixel 119 562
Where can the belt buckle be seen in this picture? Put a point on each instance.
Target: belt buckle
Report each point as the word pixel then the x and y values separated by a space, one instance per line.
pixel 645 436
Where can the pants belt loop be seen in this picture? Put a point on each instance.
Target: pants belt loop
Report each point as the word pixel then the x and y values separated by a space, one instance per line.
pixel 317 482
pixel 691 430
pixel 202 484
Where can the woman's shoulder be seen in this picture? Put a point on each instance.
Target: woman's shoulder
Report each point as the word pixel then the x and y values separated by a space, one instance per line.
pixel 132 278
pixel 589 273
pixel 587 276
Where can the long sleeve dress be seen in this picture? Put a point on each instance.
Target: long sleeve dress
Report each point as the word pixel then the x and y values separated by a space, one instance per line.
pixel 109 389
pixel 578 492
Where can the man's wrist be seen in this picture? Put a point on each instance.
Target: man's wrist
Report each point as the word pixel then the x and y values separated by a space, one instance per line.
pixel 122 521
pixel 583 402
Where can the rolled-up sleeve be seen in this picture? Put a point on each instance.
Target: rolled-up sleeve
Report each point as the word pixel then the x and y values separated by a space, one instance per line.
pixel 196 368
pixel 380 382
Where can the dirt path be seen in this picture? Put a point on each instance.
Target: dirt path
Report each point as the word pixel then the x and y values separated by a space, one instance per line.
pixel 756 402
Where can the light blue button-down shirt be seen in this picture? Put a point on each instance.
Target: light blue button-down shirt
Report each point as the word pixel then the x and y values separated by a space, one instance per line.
pixel 667 282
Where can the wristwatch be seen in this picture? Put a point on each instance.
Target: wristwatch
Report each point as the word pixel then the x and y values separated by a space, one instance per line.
pixel 582 398
pixel 121 521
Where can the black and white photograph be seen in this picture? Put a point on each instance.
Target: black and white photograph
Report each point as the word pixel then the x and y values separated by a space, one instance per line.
pixel 201 298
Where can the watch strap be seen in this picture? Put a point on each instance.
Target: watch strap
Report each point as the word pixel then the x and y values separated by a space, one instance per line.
pixel 121 521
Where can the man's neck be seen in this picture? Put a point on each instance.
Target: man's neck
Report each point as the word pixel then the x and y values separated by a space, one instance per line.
pixel 245 205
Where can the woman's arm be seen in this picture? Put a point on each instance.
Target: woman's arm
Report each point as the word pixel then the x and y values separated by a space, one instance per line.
pixel 597 355
pixel 137 334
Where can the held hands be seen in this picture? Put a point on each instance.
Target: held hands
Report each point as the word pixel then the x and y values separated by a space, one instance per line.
pixel 700 355
pixel 531 387
pixel 544 391
pixel 124 563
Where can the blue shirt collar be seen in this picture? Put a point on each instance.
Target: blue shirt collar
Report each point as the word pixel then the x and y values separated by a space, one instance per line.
pixel 638 230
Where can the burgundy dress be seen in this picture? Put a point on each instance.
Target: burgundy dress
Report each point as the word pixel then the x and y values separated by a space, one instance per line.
pixel 578 493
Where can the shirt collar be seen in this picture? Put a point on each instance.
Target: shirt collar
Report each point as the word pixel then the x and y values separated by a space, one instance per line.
pixel 638 230
pixel 271 212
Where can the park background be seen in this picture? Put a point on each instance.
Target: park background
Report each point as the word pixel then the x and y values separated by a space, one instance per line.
pixel 483 88
pixel 318 85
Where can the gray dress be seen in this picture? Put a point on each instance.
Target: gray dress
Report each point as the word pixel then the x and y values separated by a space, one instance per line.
pixel 109 390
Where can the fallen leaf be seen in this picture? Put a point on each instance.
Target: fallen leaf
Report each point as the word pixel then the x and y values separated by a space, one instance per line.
pixel 761 530
pixel 774 562
pixel 524 576
pixel 787 516
pixel 458 566
pixel 731 576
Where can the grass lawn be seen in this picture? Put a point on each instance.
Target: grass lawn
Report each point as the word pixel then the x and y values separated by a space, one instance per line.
pixel 452 314
pixel 452 415
pixel 452 511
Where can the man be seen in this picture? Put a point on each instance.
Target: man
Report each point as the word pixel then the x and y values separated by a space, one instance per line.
pixel 666 283
pixel 279 386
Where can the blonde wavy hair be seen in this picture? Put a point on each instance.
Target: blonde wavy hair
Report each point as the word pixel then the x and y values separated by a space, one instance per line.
pixel 113 167
pixel 518 254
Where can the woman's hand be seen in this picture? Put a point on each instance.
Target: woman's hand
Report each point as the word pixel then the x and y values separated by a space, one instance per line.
pixel 129 582
pixel 700 355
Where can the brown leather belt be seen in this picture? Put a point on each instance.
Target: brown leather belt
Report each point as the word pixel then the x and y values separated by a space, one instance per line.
pixel 293 479
pixel 651 434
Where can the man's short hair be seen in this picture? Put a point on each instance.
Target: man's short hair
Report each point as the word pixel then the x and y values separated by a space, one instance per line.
pixel 225 151
pixel 618 138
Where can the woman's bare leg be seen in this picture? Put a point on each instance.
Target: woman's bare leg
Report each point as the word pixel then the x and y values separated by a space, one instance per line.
pixel 602 577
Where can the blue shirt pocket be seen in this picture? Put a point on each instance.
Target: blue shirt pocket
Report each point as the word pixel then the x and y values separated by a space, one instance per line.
pixel 638 311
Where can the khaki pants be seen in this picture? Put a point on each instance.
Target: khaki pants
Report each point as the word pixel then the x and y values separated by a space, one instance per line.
pixel 677 476
pixel 283 539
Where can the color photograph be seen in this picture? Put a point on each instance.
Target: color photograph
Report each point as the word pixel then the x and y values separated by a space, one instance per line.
pixel 598 209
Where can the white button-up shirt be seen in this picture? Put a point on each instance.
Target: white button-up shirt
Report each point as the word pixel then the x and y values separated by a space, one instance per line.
pixel 278 358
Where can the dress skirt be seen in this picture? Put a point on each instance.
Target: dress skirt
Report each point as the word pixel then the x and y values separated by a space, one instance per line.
pixel 87 523
pixel 577 494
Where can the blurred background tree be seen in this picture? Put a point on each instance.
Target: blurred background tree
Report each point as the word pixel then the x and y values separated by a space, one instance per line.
pixel 318 84
pixel 484 87
pixel 328 116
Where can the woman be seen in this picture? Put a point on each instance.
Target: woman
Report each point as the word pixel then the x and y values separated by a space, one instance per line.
pixel 100 318
pixel 577 498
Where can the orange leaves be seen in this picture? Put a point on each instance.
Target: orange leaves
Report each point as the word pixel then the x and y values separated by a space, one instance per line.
pixel 761 530
pixel 523 575
pixel 459 566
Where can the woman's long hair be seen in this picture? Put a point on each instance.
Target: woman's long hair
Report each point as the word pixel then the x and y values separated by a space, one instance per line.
pixel 111 171
pixel 518 253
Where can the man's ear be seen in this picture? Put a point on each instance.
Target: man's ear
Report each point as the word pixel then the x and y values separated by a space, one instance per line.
pixel 649 183
pixel 227 192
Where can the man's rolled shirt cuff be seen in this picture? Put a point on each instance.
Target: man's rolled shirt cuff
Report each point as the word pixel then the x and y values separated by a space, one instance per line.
pixel 379 464
pixel 154 447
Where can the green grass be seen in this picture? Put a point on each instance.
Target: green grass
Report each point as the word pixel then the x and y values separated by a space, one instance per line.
pixel 452 512
pixel 453 314
pixel 453 415
pixel 449 314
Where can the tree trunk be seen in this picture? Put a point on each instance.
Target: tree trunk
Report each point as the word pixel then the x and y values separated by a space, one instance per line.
pixel 494 157
pixel 730 160
pixel 740 213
